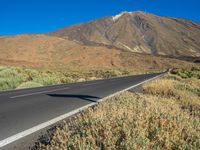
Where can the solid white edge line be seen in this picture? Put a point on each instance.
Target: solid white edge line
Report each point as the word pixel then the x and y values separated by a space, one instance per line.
pixel 62 117
pixel 103 99
pixel 29 94
pixel 41 126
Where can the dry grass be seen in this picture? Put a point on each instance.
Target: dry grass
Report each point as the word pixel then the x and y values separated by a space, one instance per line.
pixel 18 77
pixel 154 120
pixel 28 84
pixel 162 87
pixel 186 92
pixel 43 51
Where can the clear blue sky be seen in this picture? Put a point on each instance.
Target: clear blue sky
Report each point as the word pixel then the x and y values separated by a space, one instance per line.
pixel 35 16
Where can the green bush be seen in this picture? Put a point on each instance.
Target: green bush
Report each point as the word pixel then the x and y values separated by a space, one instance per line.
pixel 107 73
pixel 10 78
pixel 196 68
pixel 28 84
pixel 127 122
pixel 187 73
pixel 13 77
pixel 46 79
pixel 187 87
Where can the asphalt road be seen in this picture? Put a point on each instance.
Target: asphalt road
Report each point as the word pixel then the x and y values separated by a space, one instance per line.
pixel 21 110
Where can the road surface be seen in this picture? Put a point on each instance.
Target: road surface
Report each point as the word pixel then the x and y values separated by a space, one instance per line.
pixel 26 111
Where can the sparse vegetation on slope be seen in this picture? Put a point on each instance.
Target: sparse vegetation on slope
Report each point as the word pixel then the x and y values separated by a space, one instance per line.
pixel 138 32
pixel 28 84
pixel 186 92
pixel 17 77
pixel 194 72
pixel 43 51
pixel 166 116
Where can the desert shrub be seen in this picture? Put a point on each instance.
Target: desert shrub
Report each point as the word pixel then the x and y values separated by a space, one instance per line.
pixel 13 77
pixel 173 77
pixel 195 68
pixel 164 88
pixel 127 72
pixel 166 116
pixel 185 92
pixel 46 79
pixel 194 82
pixel 28 84
pixel 107 73
pixel 10 78
pixel 187 87
pixel 111 73
pixel 66 80
pixel 31 73
pixel 195 74
pixel 80 80
pixel 2 68
pixel 128 121
pixel 187 73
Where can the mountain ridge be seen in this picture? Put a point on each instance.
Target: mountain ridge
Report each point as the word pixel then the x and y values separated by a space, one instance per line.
pixel 129 40
pixel 145 33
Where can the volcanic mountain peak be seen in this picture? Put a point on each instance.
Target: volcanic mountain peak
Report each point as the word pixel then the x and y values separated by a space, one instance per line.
pixel 130 14
pixel 116 17
pixel 138 32
pixel 84 44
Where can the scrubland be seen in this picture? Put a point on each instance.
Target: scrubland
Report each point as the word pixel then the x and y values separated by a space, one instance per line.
pixel 18 77
pixel 166 115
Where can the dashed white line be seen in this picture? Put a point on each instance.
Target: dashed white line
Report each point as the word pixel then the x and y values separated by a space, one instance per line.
pixel 92 83
pixel 36 93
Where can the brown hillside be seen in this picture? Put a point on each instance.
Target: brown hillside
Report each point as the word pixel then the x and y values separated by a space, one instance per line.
pixel 42 51
pixel 139 32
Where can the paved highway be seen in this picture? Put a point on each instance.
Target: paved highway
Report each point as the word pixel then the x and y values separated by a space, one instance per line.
pixel 26 111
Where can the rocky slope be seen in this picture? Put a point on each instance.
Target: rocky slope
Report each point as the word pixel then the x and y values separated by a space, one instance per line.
pixel 138 32
pixel 43 51
pixel 127 40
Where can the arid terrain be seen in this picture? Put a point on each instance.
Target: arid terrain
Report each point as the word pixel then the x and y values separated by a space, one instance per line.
pixel 146 43
pixel 138 32
pixel 165 116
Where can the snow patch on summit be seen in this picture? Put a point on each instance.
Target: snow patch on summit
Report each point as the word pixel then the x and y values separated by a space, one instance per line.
pixel 116 17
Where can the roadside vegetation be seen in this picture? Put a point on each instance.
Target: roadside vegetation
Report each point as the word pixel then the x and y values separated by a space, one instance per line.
pixel 194 72
pixel 18 77
pixel 165 116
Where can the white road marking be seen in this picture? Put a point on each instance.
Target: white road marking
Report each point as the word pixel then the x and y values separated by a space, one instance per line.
pixel 62 117
pixel 41 126
pixel 36 93
pixel 103 99
pixel 92 83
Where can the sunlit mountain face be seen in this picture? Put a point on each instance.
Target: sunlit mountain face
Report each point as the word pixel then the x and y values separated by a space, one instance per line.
pixel 138 32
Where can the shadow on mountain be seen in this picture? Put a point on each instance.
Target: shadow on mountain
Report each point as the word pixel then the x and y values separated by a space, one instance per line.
pixel 83 97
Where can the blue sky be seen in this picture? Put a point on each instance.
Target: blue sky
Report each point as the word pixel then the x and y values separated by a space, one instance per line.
pixel 36 16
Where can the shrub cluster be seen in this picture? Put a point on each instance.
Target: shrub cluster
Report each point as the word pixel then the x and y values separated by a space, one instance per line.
pixel 185 91
pixel 14 77
pixel 166 116
pixel 187 73
pixel 125 122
